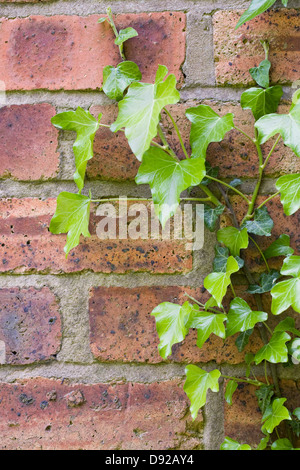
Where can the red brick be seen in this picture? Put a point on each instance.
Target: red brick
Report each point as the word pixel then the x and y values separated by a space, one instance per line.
pixel 237 51
pixel 30 325
pixel 122 329
pixel 243 417
pixel 28 142
pixel 109 416
pixel 26 245
pixel 70 52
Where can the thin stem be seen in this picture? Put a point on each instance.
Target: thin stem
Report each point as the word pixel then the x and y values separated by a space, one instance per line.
pixel 268 328
pixel 112 24
pixel 271 151
pixel 212 197
pixel 245 134
pixel 266 372
pixel 178 133
pixel 267 200
pixel 261 253
pixel 113 199
pixel 249 381
pixel 232 289
pixel 228 186
pixel 167 148
pixel 201 305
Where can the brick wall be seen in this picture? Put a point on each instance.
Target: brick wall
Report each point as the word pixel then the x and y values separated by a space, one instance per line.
pixel 78 347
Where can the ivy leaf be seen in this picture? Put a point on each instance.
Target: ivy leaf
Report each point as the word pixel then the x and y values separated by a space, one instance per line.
pixel 170 325
pixel 283 444
pixel 235 182
pixel 72 217
pixel 289 187
pixel 230 389
pixel 117 79
pixel 139 111
pixel 264 396
pixel 233 239
pixel 230 444
pixel 197 383
pixel 286 294
pixel 294 349
pixel 217 283
pixel 260 101
pixel 211 216
pixel 288 324
pixel 262 224
pixel 243 339
pixel 285 2
pixel 241 318
pixel 280 247
pixel 85 125
pixel 275 351
pixel 220 260
pixel 249 358
pixel 167 179
pixel 261 74
pixel 287 125
pixel 274 414
pixel 207 323
pixel 125 34
pixel 266 281
pixel 207 127
pixel 256 8
pixel 263 442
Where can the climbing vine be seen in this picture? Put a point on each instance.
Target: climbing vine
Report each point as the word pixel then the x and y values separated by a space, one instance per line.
pixel 139 118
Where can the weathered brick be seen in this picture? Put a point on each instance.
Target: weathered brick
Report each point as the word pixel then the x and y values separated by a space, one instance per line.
pixel 28 142
pixel 282 224
pixel 30 325
pixel 26 245
pixel 122 329
pixel 243 418
pixel 37 414
pixel 236 51
pixel 70 52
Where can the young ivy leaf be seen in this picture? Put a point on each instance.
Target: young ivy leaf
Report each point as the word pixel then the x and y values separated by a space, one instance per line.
pixel 275 351
pixel 207 126
pixel 241 317
pixel 283 444
pixel 117 79
pixel 288 324
pixel 230 389
pixel 234 239
pixel 197 383
pixel 280 247
pixel 71 217
pixel 287 125
pixel 217 283
pixel 286 293
pixel 220 260
pixel 167 179
pixel 266 283
pixel 231 444
pixel 139 111
pixel 211 216
pixel 274 414
pixel 124 35
pixel 207 323
pixel 260 101
pixel 261 74
pixel 256 8
pixel 243 339
pixel 264 396
pixel 262 224
pixel 170 325
pixel 85 125
pixel 289 187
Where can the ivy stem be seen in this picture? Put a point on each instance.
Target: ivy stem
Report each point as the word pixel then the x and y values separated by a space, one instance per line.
pixel 249 381
pixel 266 372
pixel 232 289
pixel 229 186
pixel 267 200
pixel 212 197
pixel 245 134
pixel 261 253
pixel 271 152
pixel 114 199
pixel 165 142
pixel 178 133
pixel 113 26
pixel 200 304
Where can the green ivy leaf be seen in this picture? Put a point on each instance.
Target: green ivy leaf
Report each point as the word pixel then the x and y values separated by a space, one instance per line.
pixel 275 351
pixel 288 324
pixel 263 442
pixel 243 339
pixel 170 325
pixel 207 127
pixel 207 323
pixel 117 79
pixel 266 281
pixel 294 349
pixel 220 260
pixel 217 283
pixel 261 74
pixel 280 247
pixel 71 217
pixel 233 239
pixel 260 101
pixel 262 224
pixel 282 444
pixel 124 35
pixel 167 179
pixel 230 389
pixel 285 2
pixel 289 187
pixel 85 125
pixel 287 125
pixel 286 294
pixel 197 383
pixel 211 216
pixel 264 396
pixel 274 414
pixel 139 111
pixel 256 8
pixel 241 317
pixel 230 444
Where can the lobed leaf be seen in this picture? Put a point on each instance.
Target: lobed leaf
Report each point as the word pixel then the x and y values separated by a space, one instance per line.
pixel 233 239
pixel 280 247
pixel 289 187
pixel 117 79
pixel 262 224
pixel 260 101
pixel 197 383
pixel 274 414
pixel 217 283
pixel 275 350
pixel 241 317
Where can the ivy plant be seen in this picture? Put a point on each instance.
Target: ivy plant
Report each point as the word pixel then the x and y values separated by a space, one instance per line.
pixel 256 8
pixel 168 176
